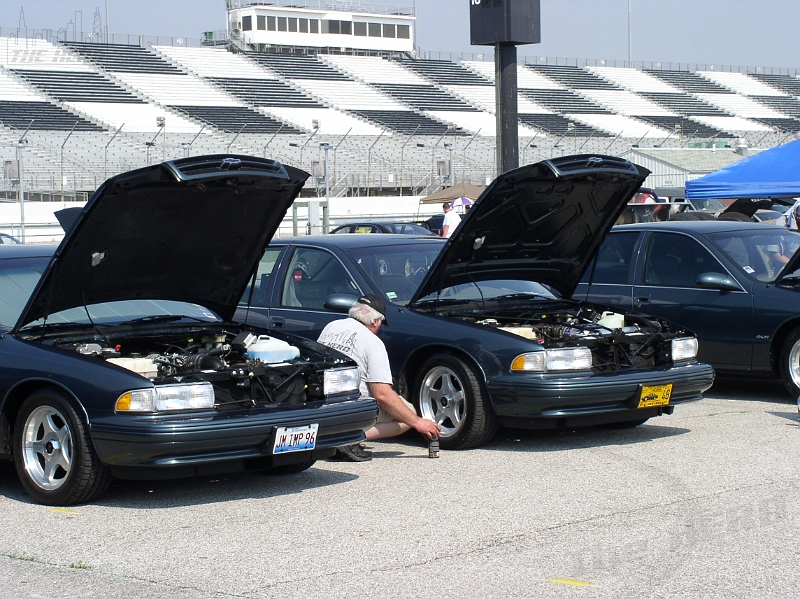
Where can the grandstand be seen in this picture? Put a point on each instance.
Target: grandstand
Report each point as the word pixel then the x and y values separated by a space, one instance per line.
pixel 392 119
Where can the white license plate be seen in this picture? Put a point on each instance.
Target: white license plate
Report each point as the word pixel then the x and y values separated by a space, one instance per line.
pixel 295 438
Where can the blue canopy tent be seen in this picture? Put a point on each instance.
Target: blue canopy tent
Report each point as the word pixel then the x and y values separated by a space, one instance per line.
pixel 770 174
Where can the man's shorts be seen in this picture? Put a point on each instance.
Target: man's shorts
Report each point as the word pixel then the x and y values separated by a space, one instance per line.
pixel 384 417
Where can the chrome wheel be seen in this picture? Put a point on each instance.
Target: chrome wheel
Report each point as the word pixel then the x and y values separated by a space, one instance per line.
pixel 793 366
pixel 47 448
pixel 443 400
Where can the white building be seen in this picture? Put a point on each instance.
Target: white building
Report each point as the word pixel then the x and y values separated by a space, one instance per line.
pixel 336 25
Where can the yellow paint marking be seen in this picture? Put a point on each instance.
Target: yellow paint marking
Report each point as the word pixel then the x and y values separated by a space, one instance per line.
pixel 572 583
pixel 61 510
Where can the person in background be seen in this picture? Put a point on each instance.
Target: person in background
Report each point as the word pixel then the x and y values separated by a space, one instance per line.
pixel 357 337
pixel 791 220
pixel 451 220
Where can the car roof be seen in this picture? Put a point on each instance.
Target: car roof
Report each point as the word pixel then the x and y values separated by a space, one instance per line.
pixel 356 240
pixel 695 226
pixel 26 251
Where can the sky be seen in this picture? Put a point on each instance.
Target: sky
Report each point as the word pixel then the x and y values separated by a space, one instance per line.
pixel 707 32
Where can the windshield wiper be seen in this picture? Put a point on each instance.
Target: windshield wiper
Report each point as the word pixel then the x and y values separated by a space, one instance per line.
pixel 523 294
pixel 164 318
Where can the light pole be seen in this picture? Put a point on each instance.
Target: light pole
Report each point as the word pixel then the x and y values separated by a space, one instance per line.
pixel 629 33
pixel 335 149
pixel 369 160
pixel 315 124
pixel 152 142
pixel 451 148
pixel 228 149
pixel 266 145
pixel 21 144
pixel 62 160
pixel 105 152
pixel 402 150
pixel 188 146
pixel 464 160
pixel 326 147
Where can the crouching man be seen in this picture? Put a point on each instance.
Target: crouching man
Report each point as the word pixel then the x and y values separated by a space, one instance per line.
pixel 357 337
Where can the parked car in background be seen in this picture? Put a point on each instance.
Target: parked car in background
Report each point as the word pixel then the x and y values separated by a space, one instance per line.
pixel 726 281
pixel 9 240
pixel 378 227
pixel 118 356
pixel 481 328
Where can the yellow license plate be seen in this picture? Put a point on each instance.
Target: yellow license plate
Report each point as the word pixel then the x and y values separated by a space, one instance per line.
pixel 655 395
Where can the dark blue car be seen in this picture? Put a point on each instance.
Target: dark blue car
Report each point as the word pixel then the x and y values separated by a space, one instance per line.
pixel 481 328
pixel 734 284
pixel 118 355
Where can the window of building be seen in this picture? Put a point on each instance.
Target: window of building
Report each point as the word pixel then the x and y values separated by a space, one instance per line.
pixel 360 29
pixel 303 25
pixel 261 23
pixel 282 24
pixel 389 30
pixel 404 32
pixel 313 25
pixel 272 24
pixel 293 24
pixel 347 28
pixel 247 23
pixel 330 26
pixel 374 29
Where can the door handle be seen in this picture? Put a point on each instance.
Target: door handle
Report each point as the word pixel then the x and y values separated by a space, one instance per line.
pixel 277 321
pixel 642 300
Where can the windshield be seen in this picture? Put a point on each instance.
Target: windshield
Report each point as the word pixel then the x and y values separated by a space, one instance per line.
pixel 707 205
pixel 396 270
pixel 761 253
pixel 18 277
pixel 114 313
pixel 495 289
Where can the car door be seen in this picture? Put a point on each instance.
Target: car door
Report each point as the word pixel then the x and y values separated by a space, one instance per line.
pixel 255 302
pixel 308 276
pixel 612 275
pixel 666 287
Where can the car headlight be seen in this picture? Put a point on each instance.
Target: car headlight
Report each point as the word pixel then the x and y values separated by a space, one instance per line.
pixel 166 398
pixel 684 348
pixel 554 360
pixel 341 380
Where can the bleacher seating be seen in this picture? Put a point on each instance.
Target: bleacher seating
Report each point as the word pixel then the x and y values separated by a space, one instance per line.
pixel 367 109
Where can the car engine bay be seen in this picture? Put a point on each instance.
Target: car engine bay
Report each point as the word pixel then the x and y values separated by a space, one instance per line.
pixel 216 355
pixel 616 341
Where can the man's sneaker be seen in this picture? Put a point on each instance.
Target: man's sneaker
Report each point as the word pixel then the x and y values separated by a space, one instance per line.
pixel 355 453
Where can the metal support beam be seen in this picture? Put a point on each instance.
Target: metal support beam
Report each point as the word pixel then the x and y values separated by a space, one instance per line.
pixel 505 58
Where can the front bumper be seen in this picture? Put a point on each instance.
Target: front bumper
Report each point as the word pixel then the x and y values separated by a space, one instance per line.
pixel 172 445
pixel 583 399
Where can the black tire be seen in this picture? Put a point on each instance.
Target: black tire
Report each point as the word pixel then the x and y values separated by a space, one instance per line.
pixel 289 468
pixel 789 365
pixel 624 424
pixel 466 416
pixel 735 216
pixel 53 454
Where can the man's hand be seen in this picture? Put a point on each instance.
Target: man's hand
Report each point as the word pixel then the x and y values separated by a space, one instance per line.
pixel 428 428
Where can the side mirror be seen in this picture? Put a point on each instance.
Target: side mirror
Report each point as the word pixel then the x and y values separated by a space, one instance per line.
pixel 339 302
pixel 715 280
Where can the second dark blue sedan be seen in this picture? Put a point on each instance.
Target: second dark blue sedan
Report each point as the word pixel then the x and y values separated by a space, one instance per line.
pixel 734 284
pixel 481 328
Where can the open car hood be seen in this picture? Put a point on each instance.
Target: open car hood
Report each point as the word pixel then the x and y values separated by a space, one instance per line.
pixel 189 230
pixel 541 222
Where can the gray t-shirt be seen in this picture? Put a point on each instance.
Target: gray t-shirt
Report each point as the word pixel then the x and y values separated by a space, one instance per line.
pixel 359 343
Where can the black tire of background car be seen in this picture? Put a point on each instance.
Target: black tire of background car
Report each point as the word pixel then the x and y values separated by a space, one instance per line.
pixel 736 216
pixel 786 376
pixel 289 468
pixel 624 424
pixel 87 479
pixel 480 422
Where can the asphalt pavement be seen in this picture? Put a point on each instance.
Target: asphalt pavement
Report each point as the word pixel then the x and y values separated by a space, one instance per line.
pixel 697 504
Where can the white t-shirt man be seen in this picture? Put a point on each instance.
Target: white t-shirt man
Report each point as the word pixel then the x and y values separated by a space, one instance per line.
pixel 450 222
pixel 358 343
